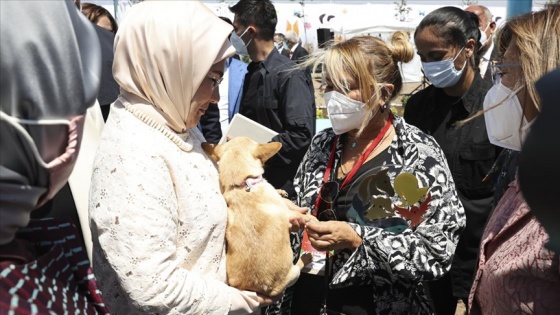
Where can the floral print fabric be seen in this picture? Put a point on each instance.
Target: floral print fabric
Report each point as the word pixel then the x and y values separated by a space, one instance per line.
pixel 394 264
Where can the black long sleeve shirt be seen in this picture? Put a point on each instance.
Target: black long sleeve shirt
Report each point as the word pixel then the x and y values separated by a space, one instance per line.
pixel 281 98
pixel 470 156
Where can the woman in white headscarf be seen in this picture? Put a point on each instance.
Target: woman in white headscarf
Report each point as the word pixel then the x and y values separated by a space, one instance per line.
pixel 157 216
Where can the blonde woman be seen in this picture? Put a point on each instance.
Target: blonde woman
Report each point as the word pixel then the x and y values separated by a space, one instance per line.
pixel 157 216
pixel 375 270
pixel 516 274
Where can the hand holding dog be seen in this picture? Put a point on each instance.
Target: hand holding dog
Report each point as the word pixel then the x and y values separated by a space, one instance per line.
pixel 268 300
pixel 332 235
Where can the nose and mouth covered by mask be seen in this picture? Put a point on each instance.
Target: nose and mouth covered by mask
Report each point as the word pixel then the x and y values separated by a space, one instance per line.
pixel 239 44
pixel 443 74
pixel 345 114
pixel 505 123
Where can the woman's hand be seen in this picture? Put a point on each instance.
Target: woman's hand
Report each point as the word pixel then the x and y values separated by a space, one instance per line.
pixel 267 300
pixel 331 235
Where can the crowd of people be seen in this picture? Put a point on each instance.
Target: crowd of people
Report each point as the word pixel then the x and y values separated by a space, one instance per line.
pixel 421 214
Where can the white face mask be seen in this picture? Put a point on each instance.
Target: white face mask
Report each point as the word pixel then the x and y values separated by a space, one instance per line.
pixel 239 44
pixel 442 74
pixel 505 123
pixel 483 37
pixel 345 113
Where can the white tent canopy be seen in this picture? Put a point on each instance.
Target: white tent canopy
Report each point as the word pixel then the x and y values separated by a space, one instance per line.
pixel 388 27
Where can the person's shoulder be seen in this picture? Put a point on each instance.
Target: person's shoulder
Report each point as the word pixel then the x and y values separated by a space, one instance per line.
pixel 281 61
pixel 322 141
pixel 482 84
pixel 418 99
pixel 422 94
pixel 237 64
pixel 286 68
pixel 413 134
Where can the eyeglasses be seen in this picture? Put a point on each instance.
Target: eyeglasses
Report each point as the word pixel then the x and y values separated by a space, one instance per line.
pixel 215 81
pixel 328 193
pixel 497 70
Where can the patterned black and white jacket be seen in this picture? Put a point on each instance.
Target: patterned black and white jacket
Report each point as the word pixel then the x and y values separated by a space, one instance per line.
pixel 395 264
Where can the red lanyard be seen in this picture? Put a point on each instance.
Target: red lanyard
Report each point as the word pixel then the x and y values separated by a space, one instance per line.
pixel 358 163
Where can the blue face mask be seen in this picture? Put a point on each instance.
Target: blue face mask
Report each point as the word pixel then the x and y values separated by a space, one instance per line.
pixel 442 74
pixel 239 44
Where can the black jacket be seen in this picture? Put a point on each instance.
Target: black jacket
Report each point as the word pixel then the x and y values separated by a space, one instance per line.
pixel 299 54
pixel 470 156
pixel 281 98
pixel 285 52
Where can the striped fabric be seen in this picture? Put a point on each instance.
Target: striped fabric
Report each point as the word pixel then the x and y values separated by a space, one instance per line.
pixel 59 281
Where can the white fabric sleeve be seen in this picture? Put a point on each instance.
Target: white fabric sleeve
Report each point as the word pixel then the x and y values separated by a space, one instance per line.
pixel 243 302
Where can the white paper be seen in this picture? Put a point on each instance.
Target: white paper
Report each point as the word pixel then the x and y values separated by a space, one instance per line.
pixel 241 126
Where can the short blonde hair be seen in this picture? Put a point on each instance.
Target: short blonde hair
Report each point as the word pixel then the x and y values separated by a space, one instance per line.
pixel 367 60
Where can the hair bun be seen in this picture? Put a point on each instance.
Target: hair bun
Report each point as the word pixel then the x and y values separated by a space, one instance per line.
pixel 401 48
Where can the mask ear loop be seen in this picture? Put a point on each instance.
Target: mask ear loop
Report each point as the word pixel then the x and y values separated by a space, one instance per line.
pixel 16 123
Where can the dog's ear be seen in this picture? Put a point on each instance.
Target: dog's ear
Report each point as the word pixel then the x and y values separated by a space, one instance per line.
pixel 264 152
pixel 210 149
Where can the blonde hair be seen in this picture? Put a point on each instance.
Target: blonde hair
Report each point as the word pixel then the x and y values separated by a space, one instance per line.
pixel 537 37
pixel 367 60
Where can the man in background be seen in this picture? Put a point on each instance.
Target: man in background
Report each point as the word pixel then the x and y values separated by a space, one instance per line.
pixel 487 27
pixel 279 40
pixel 274 94
pixel 297 52
pixel 215 121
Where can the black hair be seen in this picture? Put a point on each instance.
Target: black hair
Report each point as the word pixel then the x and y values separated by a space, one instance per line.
pixel 260 13
pixel 227 20
pixel 455 27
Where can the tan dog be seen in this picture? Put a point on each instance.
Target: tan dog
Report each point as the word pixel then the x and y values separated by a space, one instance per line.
pixel 259 256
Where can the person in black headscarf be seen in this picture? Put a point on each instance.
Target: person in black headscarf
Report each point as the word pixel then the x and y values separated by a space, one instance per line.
pixel 50 76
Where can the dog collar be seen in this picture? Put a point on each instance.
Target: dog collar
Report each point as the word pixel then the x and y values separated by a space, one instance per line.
pixel 251 182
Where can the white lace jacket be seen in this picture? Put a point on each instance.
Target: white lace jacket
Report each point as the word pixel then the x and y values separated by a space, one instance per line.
pixel 158 221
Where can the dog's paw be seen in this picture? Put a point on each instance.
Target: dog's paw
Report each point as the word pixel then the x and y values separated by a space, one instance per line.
pixel 304 260
pixel 282 193
pixel 310 218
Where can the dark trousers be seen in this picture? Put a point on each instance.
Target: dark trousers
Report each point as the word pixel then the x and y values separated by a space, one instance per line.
pixel 441 295
pixel 309 294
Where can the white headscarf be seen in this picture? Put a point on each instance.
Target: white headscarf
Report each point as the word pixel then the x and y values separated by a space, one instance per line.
pixel 163 52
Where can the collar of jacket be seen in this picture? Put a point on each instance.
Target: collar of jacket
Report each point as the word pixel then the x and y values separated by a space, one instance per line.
pixel 478 89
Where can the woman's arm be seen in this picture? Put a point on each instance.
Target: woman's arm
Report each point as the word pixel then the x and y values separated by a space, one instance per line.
pixel 134 213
